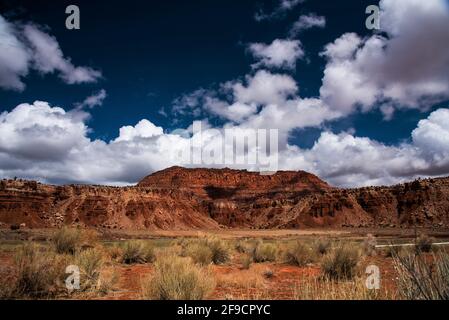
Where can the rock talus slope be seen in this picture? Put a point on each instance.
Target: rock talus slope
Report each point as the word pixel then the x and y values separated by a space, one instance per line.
pixel 180 199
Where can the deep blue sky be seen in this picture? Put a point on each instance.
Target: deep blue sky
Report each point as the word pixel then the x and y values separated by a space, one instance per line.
pixel 150 53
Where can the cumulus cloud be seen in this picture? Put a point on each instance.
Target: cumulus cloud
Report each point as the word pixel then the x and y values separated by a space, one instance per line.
pixel 41 132
pixel 52 145
pixel 27 46
pixel 264 100
pixel 408 67
pixel 346 160
pixel 307 21
pixel 279 54
pixel 282 8
pixel 14 58
pixel 143 129
pixel 237 100
pixel 48 143
pixel 263 88
pixel 432 138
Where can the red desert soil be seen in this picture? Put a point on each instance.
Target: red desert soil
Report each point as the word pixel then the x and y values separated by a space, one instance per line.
pixel 235 283
pixel 232 281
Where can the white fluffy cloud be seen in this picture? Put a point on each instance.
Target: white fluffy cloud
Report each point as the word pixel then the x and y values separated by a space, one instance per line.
pixel 14 58
pixel 432 137
pixel 39 131
pixel 346 160
pixel 51 144
pixel 279 54
pixel 25 47
pixel 307 21
pixel 143 129
pixel 263 88
pixel 264 100
pixel 406 68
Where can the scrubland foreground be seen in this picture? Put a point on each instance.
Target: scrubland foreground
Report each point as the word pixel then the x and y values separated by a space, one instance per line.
pixel 211 267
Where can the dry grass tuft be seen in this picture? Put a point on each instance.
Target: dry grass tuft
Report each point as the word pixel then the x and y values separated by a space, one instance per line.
pixel 37 273
pixel 90 262
pixel 247 280
pixel 244 246
pixel 220 251
pixel 115 253
pixel 177 278
pixel 200 253
pixel 246 261
pixel 138 251
pixel 299 254
pixel 67 240
pixel 325 289
pixel 421 277
pixel 206 250
pixel 341 262
pixel 264 252
pixel 322 246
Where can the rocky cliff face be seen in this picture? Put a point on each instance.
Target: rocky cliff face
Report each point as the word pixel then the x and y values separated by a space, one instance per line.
pixel 179 198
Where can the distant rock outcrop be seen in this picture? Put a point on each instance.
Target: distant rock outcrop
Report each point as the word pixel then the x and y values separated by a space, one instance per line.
pixel 179 198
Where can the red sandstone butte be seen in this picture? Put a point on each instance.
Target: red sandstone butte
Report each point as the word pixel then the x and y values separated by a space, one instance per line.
pixel 181 199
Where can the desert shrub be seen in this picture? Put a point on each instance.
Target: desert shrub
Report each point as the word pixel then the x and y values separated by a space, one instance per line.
pixel 90 263
pixel 242 246
pixel 322 246
pixel 341 263
pixel 246 261
pixel 369 245
pixel 107 281
pixel 423 243
pixel 177 278
pixel 219 249
pixel 199 252
pixel 420 278
pixel 92 276
pixel 39 274
pixel 89 238
pixel 299 254
pixel 220 252
pixel 137 251
pixel 264 252
pixel 67 240
pixel 6 283
pixel 182 242
pixel 115 253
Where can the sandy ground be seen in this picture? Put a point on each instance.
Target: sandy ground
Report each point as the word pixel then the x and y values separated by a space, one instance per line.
pixel 233 282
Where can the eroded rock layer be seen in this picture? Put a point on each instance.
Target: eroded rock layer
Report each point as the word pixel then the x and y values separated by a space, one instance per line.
pixel 179 199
